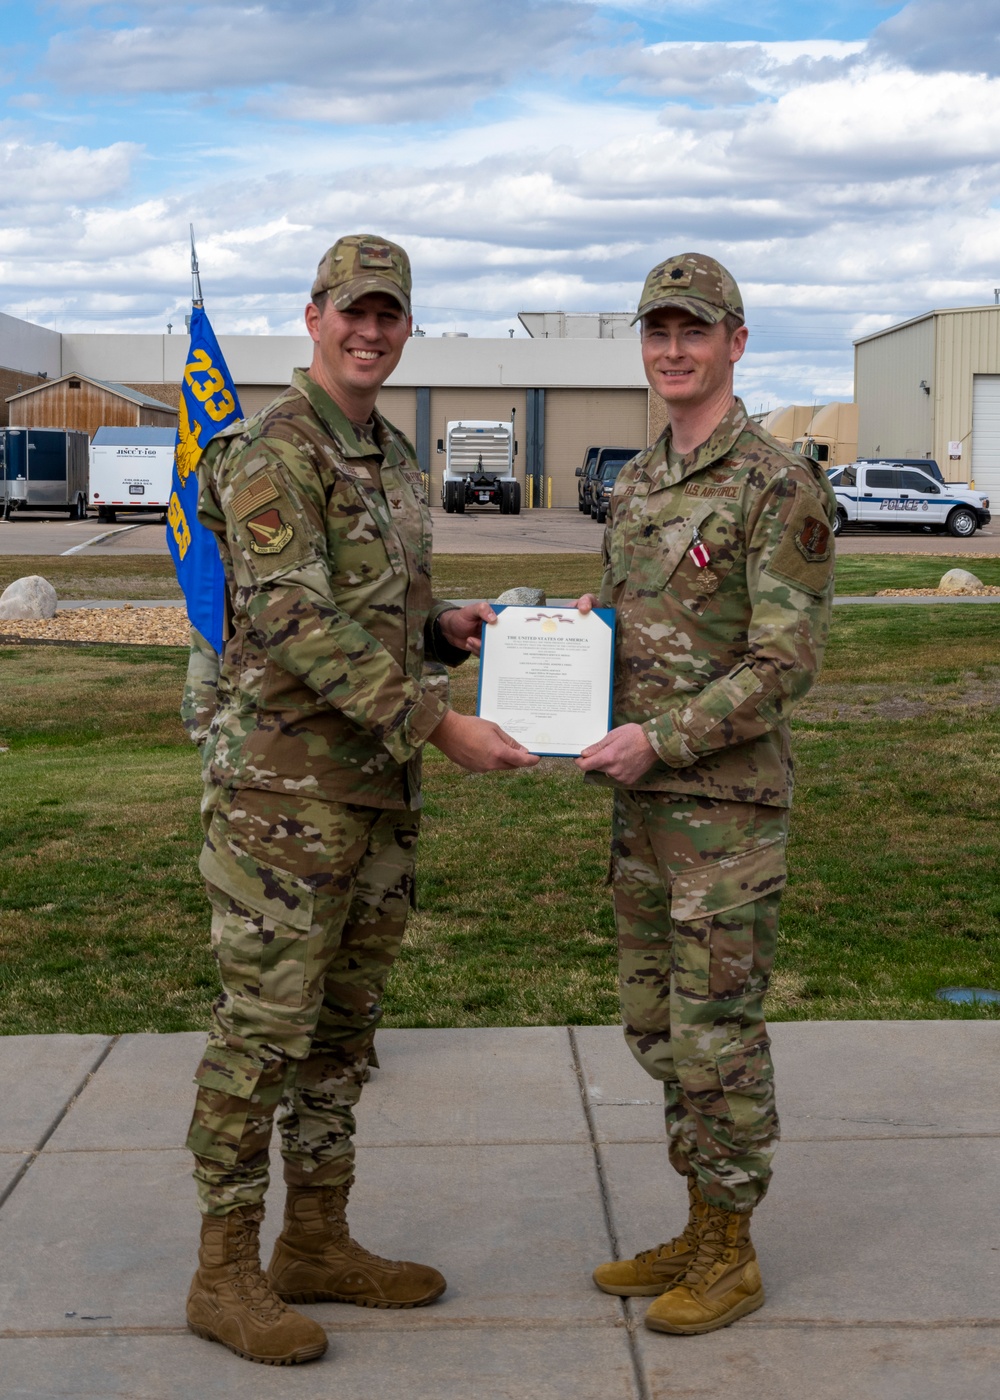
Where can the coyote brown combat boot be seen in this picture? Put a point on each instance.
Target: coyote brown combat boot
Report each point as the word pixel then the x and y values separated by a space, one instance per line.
pixel 655 1270
pixel 721 1283
pixel 316 1261
pixel 232 1302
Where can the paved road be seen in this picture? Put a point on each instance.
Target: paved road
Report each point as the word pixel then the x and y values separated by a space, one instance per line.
pixel 477 532
pixel 515 1160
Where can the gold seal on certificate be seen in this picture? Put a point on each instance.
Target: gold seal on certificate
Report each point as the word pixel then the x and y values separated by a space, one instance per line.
pixel 545 676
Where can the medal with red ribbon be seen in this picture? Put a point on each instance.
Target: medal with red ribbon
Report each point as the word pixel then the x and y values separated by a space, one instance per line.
pixel 698 553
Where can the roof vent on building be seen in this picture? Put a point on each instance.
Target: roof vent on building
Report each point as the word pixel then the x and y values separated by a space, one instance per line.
pixel 73 384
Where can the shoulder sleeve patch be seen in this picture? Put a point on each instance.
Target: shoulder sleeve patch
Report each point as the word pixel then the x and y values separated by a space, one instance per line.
pixel 804 553
pixel 252 497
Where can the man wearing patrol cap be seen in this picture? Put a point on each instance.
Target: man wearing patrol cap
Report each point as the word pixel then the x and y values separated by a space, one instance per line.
pixel 718 559
pixel 331 683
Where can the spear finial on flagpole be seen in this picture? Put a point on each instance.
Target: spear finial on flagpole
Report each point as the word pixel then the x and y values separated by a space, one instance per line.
pixel 196 296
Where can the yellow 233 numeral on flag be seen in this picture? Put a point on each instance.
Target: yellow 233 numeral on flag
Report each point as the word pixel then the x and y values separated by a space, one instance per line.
pixel 217 409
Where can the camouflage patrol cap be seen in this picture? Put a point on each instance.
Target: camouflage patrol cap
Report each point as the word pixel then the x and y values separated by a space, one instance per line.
pixel 691 282
pixel 361 263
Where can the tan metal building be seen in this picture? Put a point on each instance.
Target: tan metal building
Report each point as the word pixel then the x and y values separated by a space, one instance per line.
pixel 577 381
pixel 78 401
pixel 930 387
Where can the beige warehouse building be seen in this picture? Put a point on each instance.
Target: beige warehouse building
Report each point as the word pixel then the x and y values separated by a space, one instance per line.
pixel 577 381
pixel 930 387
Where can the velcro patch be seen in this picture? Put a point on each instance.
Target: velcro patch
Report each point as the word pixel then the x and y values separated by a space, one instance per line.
pixel 710 489
pixel 804 556
pixel 268 533
pixel 252 497
pixel 679 277
pixel 813 540
pixel 374 256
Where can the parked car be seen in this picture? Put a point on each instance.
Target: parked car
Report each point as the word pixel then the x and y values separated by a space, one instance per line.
pixel 594 462
pixel 925 464
pixel 603 485
pixel 898 497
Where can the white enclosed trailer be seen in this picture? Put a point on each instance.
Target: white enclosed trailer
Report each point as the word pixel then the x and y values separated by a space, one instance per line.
pixel 130 469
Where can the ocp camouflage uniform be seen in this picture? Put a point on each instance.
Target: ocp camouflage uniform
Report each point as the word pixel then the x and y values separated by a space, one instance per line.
pixel 325 538
pixel 710 660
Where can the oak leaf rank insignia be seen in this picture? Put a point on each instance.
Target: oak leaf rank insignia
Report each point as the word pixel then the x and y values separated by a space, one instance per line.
pixel 268 533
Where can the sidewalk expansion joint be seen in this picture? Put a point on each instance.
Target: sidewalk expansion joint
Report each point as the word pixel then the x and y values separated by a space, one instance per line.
pixel 19 1176
pixel 432 1145
pixel 641 1386
pixel 358 1327
pixel 868 1324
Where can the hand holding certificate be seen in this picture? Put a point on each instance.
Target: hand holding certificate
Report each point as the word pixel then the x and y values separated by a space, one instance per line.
pixel 545 676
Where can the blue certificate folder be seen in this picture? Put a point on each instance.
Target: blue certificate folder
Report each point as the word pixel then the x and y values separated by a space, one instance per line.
pixel 540 661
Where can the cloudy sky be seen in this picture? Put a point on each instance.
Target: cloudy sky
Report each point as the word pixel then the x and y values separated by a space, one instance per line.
pixel 843 160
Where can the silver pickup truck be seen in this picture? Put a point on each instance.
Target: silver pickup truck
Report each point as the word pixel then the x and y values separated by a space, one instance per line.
pixel 890 496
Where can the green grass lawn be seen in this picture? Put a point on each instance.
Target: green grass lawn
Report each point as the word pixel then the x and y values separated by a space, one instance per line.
pixel 469 575
pixel 893 890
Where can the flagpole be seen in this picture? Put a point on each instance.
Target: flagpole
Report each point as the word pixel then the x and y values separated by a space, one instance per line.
pixel 196 296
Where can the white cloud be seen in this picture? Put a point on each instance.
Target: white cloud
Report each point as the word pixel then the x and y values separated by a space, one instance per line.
pixel 336 61
pixel 941 36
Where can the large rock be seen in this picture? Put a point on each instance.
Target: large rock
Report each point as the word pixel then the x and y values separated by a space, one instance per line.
pixel 523 597
pixel 960 581
pixel 28 598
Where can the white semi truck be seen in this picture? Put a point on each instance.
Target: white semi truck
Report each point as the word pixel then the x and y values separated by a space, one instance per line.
pixel 479 466
pixel 130 469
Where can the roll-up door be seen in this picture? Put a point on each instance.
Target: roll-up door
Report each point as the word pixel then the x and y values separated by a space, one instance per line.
pixel 986 433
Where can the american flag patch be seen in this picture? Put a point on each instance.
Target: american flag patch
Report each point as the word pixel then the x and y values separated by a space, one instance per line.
pixel 252 497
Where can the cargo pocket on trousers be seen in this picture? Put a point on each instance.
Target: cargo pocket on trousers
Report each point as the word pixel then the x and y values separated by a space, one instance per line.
pixel 746 1077
pixel 227 1083
pixel 719 957
pixel 279 945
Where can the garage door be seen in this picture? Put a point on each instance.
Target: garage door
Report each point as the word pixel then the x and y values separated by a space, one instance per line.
pixel 986 434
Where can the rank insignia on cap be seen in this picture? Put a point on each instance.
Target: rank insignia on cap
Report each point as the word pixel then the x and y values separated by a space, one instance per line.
pixel 268 533
pixel 371 255
pixel 813 540
pixel 679 277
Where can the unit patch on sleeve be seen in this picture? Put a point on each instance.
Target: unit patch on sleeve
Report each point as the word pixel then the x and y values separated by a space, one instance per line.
pixel 252 497
pixel 268 533
pixel 813 540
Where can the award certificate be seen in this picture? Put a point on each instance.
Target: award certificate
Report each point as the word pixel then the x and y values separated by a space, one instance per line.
pixel 545 676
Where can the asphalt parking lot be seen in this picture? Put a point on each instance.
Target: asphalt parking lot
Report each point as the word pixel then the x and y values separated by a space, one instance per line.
pixel 557 531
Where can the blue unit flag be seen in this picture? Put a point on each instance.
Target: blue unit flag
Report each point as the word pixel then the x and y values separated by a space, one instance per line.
pixel 208 404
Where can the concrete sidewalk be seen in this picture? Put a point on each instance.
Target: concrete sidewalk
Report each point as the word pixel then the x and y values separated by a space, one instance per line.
pixel 515 1160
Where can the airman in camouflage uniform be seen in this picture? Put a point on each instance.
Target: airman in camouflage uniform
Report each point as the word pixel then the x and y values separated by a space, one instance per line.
pixel 719 562
pixel 313 759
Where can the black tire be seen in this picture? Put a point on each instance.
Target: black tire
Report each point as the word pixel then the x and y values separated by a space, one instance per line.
pixel 962 522
pixel 81 507
pixel 447 496
pixel 505 497
pixel 839 521
pixel 458 497
pixel 515 498
pixel 602 516
pixel 593 511
pixel 581 504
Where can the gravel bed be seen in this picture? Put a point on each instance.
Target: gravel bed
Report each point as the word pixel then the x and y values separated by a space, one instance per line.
pixel 990 588
pixel 136 626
